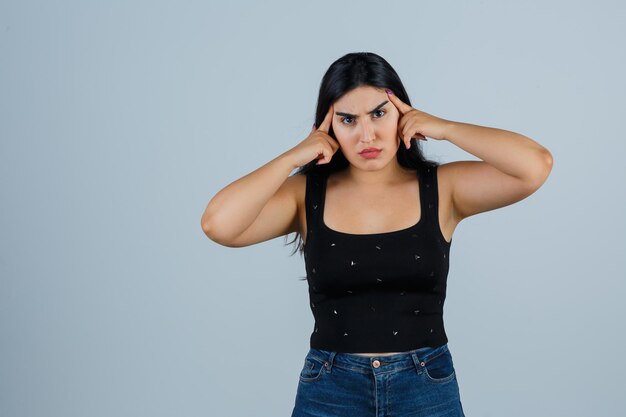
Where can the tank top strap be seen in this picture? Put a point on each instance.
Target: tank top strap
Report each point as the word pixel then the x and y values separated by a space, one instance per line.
pixel 313 201
pixel 314 195
pixel 428 194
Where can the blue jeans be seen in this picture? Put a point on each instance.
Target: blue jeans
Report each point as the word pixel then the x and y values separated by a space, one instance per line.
pixel 417 383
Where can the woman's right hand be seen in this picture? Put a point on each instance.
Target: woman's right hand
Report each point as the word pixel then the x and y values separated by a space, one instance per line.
pixel 318 145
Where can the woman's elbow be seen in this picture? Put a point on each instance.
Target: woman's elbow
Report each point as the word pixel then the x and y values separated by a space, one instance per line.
pixel 542 169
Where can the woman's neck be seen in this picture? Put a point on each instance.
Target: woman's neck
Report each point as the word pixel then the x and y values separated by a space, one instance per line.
pixel 388 175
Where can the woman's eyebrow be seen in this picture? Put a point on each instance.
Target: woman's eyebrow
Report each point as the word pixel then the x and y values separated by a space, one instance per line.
pixel 338 113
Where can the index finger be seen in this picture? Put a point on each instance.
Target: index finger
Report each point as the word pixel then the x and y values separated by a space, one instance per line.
pixel 400 105
pixel 327 119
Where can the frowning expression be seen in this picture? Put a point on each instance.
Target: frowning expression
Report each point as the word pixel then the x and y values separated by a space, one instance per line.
pixel 365 118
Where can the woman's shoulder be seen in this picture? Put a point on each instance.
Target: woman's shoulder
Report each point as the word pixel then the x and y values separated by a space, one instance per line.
pixel 446 173
pixel 297 185
pixel 443 175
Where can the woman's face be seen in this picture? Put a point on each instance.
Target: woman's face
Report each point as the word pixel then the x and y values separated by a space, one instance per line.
pixel 365 118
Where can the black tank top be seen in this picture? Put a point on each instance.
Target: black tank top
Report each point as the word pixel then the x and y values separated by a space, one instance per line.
pixel 381 292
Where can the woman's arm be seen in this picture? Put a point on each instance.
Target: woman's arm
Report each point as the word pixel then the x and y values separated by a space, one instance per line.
pixel 236 207
pixel 264 204
pixel 514 167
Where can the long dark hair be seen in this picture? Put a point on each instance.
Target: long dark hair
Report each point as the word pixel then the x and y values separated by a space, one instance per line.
pixel 345 74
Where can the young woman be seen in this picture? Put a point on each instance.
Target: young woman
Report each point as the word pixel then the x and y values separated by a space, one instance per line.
pixel 375 220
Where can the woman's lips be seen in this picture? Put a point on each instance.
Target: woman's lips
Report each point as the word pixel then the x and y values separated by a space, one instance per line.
pixel 370 154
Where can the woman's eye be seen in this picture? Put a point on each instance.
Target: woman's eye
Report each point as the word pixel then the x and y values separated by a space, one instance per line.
pixel 343 120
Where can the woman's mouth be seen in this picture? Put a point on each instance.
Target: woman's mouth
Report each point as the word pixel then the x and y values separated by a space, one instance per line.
pixel 370 153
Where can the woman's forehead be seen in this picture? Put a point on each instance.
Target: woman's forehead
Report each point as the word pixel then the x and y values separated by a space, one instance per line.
pixel 361 99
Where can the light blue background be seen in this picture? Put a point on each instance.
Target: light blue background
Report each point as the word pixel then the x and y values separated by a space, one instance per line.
pixel 120 120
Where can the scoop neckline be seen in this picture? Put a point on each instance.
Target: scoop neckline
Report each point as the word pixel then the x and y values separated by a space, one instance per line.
pixel 392 232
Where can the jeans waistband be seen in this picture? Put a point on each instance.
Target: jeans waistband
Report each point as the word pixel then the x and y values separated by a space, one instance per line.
pixel 396 361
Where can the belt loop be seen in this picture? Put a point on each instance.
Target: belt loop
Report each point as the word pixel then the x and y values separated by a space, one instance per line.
pixel 419 364
pixel 329 362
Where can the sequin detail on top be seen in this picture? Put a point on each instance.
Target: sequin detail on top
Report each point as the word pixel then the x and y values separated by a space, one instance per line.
pixel 381 292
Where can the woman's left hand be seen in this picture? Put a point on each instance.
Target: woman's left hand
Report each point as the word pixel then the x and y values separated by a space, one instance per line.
pixel 417 124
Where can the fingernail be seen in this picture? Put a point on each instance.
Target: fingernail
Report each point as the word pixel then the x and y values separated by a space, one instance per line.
pixel 389 91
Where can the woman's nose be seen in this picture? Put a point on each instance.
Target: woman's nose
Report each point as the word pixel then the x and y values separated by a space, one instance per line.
pixel 367 134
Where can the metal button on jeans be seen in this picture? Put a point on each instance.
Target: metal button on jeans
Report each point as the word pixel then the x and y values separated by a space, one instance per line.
pixel 376 363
